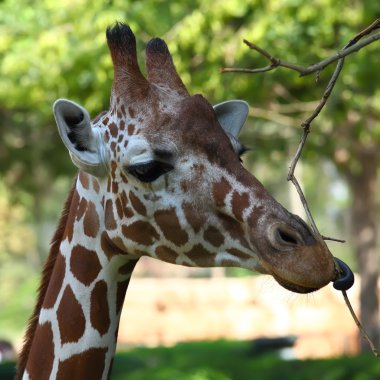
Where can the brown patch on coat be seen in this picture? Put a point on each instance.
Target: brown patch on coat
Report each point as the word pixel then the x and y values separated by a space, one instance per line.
pixel 91 221
pixel 99 311
pixel 84 180
pixel 194 217
pixel 141 232
pixel 201 256
pixel 170 226
pixel 115 187
pixel 131 112
pixel 166 254
pixel 255 216
pixel 107 246
pixel 113 129
pixel 70 317
pixel 131 129
pixel 220 191
pixel 113 169
pixel 95 185
pixel 234 229
pixel 41 356
pixel 84 264
pixel 81 209
pixel 240 202
pixel 86 365
pixel 235 252
pixel 137 204
pixel 128 212
pixel 123 111
pixel 213 236
pixel 119 208
pixel 55 283
pixel 61 232
pixel 109 217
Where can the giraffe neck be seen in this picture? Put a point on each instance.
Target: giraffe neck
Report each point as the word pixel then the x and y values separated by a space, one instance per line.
pixel 76 323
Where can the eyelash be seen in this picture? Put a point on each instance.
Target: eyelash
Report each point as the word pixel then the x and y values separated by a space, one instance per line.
pixel 149 171
pixel 242 150
pixel 237 146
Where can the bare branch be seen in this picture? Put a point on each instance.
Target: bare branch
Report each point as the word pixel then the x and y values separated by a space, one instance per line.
pixel 360 327
pixel 351 47
pixel 333 239
pixel 306 125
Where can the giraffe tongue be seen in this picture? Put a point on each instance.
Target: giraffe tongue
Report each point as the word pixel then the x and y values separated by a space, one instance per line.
pixel 345 278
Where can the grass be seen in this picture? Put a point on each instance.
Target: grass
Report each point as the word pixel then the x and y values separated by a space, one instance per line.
pixel 227 360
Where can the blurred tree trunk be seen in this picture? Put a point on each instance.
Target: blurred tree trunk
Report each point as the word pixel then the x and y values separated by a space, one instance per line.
pixel 364 235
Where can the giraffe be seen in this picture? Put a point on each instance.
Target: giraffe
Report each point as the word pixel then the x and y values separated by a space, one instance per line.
pixel 159 175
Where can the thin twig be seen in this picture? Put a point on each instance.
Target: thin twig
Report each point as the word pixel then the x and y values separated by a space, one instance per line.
pixel 333 239
pixel 306 125
pixel 350 48
pixel 360 327
pixel 305 205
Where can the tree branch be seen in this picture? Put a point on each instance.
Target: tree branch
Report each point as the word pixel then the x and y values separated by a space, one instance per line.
pixel 350 48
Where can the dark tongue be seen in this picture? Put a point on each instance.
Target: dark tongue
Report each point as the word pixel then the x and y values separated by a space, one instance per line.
pixel 345 278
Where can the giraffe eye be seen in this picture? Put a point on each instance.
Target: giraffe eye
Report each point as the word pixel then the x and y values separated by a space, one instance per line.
pixel 149 171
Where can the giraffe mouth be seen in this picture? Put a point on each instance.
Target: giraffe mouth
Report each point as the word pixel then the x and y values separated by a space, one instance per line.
pixel 294 287
pixel 297 259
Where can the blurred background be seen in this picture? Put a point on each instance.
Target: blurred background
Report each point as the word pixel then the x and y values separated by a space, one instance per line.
pixel 51 49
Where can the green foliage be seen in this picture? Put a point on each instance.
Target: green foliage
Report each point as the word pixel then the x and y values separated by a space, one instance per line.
pixel 226 360
pixel 15 234
pixel 53 50
pixel 18 291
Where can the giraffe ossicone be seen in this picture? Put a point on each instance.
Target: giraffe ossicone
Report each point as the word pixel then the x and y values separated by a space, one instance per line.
pixel 160 176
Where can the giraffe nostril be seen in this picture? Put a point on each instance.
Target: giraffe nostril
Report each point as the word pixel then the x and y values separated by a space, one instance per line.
pixel 287 237
pixel 282 236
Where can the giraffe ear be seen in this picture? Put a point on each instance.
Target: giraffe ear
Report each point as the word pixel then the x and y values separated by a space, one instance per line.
pixel 82 141
pixel 232 115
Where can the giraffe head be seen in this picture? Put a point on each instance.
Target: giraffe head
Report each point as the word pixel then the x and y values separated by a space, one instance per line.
pixel 167 168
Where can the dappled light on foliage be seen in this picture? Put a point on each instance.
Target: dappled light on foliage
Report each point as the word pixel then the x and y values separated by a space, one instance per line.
pixel 53 49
